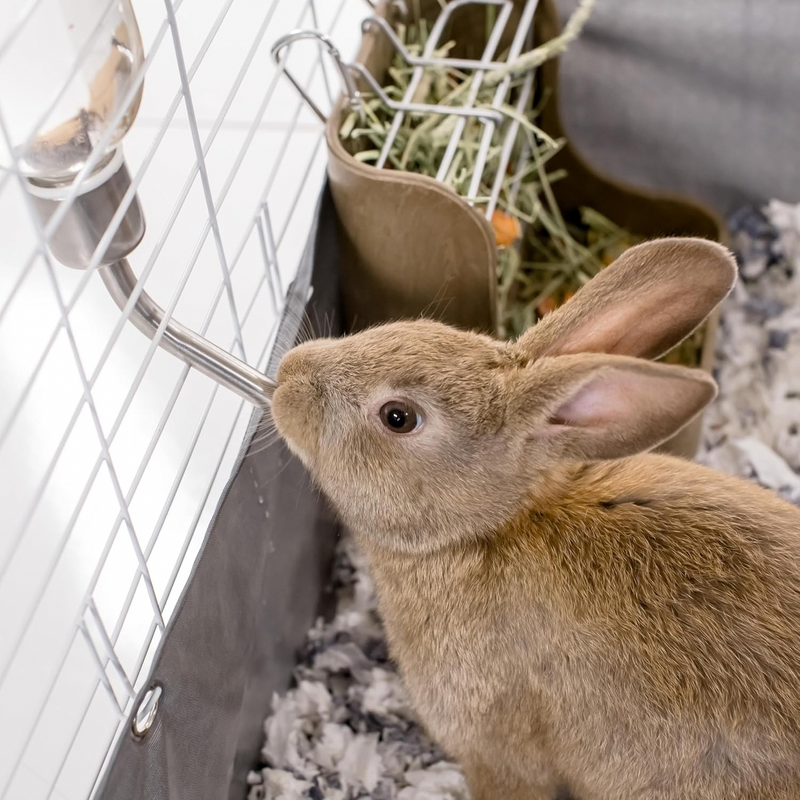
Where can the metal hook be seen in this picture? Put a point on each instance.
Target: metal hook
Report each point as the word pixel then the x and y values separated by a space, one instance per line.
pixel 350 88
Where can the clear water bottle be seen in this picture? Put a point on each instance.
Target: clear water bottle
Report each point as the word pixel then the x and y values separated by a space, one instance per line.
pixel 65 76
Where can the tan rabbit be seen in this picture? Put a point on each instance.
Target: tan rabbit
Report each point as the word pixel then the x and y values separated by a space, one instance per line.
pixel 572 619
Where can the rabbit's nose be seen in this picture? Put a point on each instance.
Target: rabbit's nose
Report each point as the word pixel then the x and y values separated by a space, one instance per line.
pixel 304 361
pixel 289 366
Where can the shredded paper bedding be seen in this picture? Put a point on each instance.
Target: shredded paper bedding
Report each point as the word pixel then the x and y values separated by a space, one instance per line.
pixel 347 732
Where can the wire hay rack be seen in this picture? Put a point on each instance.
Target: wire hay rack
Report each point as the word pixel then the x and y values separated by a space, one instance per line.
pixel 501 118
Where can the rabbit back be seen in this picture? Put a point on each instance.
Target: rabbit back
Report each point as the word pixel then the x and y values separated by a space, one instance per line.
pixel 640 628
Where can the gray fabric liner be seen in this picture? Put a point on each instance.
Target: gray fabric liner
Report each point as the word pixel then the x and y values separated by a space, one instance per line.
pixel 253 593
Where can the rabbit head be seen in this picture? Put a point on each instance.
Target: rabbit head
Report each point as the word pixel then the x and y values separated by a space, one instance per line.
pixel 422 434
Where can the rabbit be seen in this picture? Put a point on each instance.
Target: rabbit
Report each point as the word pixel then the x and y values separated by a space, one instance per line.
pixel 573 616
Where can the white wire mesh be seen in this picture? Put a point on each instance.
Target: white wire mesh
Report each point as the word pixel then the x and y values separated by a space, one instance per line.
pixel 113 453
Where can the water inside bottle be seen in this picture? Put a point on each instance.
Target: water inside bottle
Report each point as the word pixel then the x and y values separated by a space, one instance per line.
pixel 81 107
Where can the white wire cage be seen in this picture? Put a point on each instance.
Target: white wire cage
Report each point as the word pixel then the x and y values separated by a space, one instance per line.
pixel 113 453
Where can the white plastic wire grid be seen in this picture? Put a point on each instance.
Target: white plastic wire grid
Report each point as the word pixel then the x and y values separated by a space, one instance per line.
pixel 113 453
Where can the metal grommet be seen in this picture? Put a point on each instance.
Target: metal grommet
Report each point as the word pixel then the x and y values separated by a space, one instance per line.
pixel 145 714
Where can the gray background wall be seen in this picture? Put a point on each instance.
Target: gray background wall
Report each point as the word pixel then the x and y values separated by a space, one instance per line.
pixel 699 96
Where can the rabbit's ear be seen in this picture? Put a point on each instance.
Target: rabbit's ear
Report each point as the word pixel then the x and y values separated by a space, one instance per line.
pixel 650 299
pixel 602 407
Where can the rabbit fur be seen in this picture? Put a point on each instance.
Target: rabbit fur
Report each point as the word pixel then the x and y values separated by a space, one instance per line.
pixel 573 616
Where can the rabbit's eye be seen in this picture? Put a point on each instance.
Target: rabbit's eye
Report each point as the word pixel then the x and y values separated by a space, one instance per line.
pixel 400 417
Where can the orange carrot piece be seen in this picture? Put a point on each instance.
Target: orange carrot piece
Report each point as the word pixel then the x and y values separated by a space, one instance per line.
pixel 506 228
pixel 546 306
